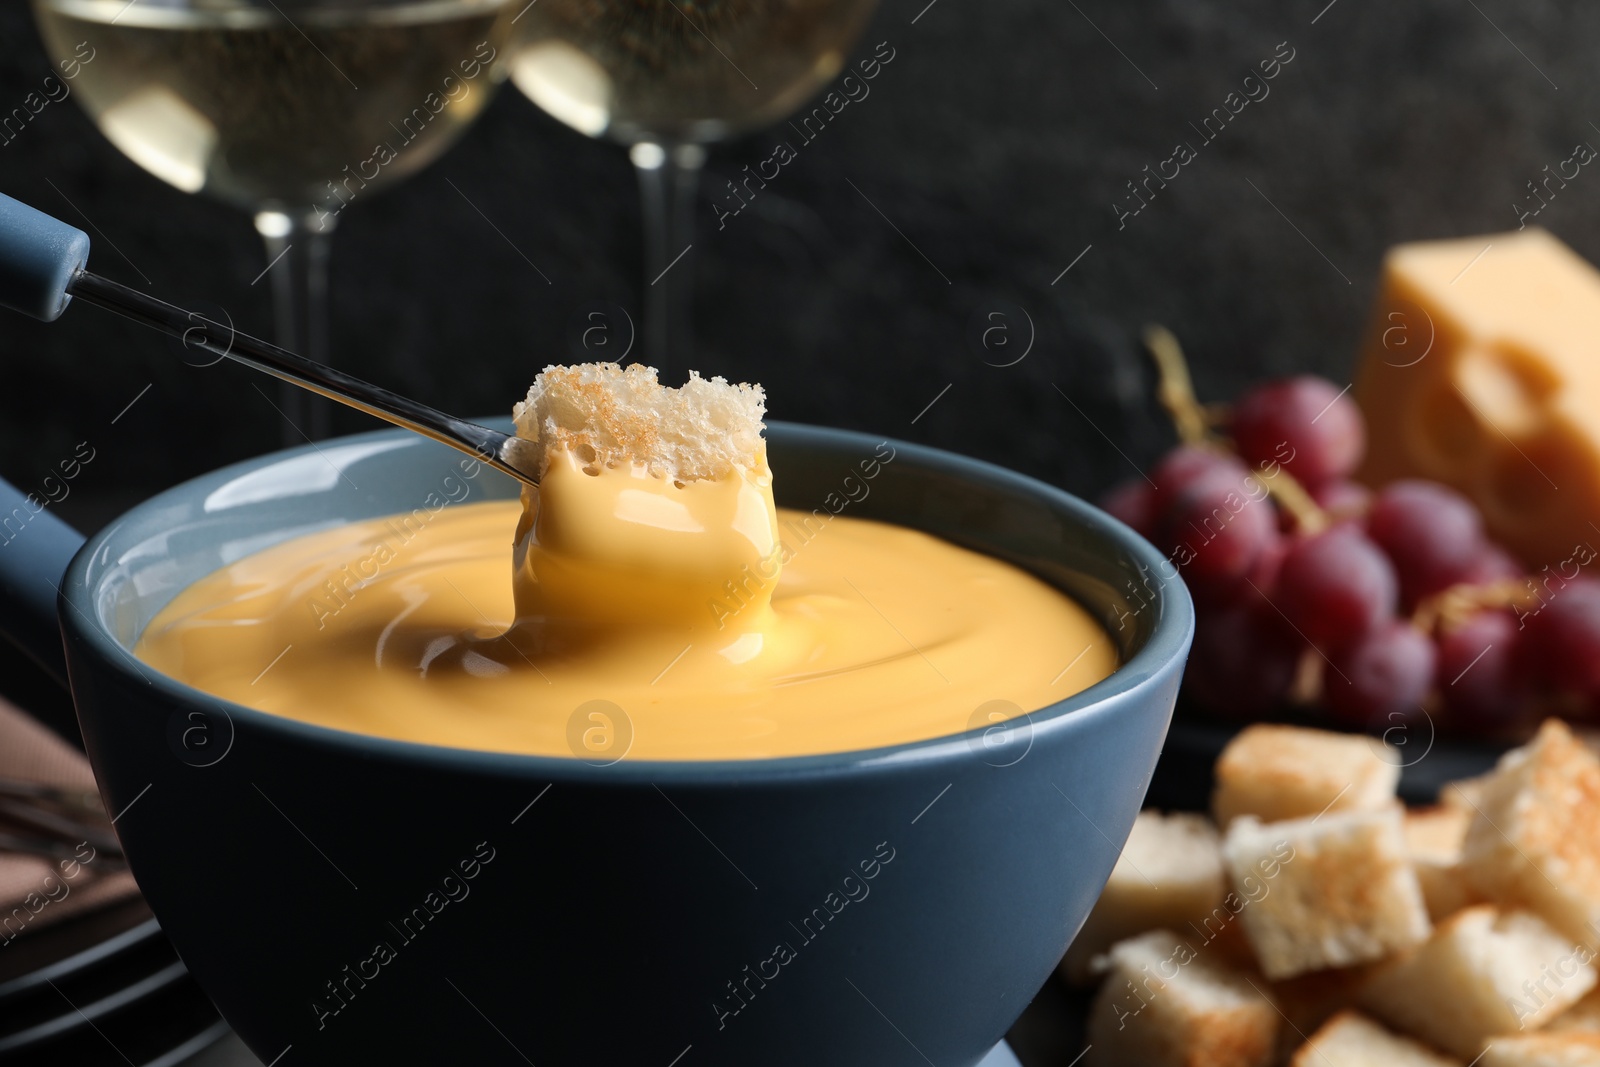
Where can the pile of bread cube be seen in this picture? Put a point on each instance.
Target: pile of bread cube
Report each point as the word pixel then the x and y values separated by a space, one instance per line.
pixel 1318 923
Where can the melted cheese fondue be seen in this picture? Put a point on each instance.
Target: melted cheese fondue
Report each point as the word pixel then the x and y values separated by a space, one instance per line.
pixel 620 614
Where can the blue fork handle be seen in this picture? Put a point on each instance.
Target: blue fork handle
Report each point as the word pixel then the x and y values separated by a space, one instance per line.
pixel 35 548
pixel 38 257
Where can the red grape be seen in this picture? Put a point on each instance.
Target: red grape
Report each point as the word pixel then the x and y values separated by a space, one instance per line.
pixel 1307 424
pixel 1477 675
pixel 1335 586
pixel 1215 528
pixel 1561 643
pixel 1342 499
pixel 1264 574
pixel 1492 564
pixel 1133 502
pixel 1432 534
pixel 1381 676
pixel 1262 579
pixel 1243 661
pixel 1185 465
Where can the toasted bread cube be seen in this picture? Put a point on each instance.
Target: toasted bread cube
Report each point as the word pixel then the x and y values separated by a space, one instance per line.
pixel 1535 842
pixel 1169 875
pixel 1434 837
pixel 1584 1015
pixel 1484 972
pixel 1543 1050
pixel 1285 772
pixel 1164 1004
pixel 607 414
pixel 1308 1001
pixel 1464 793
pixel 1589 736
pixel 1350 1039
pixel 1330 891
pixel 1221 935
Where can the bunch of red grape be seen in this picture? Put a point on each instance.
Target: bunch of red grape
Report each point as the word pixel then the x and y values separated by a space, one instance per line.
pixel 1396 600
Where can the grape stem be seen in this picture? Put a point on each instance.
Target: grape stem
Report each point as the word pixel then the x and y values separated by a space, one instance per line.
pixel 1454 606
pixel 1306 688
pixel 1195 423
pixel 1309 518
pixel 1176 390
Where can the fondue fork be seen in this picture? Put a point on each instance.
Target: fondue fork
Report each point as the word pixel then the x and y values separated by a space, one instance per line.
pixel 44 848
pixel 64 815
pixel 58 828
pixel 42 269
pixel 84 803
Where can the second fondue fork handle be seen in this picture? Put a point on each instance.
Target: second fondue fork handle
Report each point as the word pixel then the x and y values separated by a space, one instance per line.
pixel 502 451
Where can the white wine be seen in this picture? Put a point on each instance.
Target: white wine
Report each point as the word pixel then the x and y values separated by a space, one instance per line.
pixel 679 70
pixel 289 106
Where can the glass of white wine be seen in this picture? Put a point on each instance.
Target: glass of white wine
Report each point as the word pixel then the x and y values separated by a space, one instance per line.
pixel 667 77
pixel 290 109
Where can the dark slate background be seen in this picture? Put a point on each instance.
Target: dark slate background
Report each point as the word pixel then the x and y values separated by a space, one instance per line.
pixel 997 142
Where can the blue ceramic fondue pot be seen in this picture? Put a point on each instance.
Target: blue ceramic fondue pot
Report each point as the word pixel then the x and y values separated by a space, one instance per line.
pixel 348 899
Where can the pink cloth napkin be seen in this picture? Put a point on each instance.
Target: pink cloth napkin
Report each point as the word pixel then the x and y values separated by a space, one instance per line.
pixel 36 892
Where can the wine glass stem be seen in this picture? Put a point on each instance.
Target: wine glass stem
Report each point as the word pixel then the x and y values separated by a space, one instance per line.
pixel 669 176
pixel 297 244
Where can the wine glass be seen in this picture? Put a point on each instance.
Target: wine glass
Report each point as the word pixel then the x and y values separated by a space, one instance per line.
pixel 290 109
pixel 666 78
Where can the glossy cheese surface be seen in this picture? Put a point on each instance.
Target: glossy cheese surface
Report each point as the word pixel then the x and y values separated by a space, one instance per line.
pixel 623 616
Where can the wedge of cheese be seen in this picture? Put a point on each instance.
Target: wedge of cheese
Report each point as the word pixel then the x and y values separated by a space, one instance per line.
pixel 1481 369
